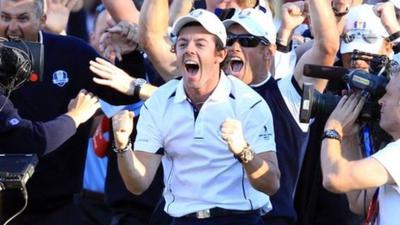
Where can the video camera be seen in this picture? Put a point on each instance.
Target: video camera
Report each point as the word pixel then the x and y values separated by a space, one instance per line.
pixel 16 169
pixel 314 103
pixel 20 61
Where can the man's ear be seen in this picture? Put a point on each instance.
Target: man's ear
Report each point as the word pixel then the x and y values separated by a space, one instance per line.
pixel 221 55
pixel 173 49
pixel 43 19
pixel 269 51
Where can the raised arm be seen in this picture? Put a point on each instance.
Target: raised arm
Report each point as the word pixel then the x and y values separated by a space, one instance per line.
pixel 154 39
pixel 341 174
pixel 325 45
pixel 122 10
pixel 137 168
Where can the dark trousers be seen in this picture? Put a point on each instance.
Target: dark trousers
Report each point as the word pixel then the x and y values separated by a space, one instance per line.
pixel 68 214
pixel 239 219
pixel 93 209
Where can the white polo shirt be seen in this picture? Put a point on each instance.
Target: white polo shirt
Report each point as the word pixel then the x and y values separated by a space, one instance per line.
pixel 199 170
pixel 389 195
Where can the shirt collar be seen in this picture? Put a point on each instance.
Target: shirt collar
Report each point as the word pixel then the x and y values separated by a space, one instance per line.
pixel 40 34
pixel 221 92
pixel 262 82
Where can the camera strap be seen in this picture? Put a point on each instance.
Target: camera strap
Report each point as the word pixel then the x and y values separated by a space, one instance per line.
pixel 373 210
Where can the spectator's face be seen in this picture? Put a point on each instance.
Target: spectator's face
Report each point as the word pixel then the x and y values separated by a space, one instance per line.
pixel 100 28
pixel 349 63
pixel 197 58
pixel 246 62
pixel 19 20
pixel 390 111
pixel 354 64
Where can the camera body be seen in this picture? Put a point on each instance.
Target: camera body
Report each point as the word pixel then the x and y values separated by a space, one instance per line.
pixel 314 103
pixel 20 61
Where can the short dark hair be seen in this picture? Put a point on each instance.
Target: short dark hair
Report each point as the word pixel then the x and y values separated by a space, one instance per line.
pixel 39 7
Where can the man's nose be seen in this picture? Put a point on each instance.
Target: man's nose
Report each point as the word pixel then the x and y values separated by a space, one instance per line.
pixel 13 25
pixel 235 46
pixel 191 46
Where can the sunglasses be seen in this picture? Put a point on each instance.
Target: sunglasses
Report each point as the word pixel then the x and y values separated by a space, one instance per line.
pixel 367 36
pixel 246 40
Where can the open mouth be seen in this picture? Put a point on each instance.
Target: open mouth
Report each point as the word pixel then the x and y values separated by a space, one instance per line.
pixel 191 67
pixel 14 37
pixel 236 64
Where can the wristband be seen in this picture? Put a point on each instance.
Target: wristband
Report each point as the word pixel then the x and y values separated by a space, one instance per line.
pixel 128 147
pixel 393 37
pixel 283 48
pixel 337 13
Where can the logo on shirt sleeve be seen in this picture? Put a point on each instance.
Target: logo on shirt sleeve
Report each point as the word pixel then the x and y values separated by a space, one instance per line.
pixel 265 134
pixel 14 121
pixel 60 78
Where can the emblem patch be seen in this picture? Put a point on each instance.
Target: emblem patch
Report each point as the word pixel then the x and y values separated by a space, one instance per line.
pixel 60 78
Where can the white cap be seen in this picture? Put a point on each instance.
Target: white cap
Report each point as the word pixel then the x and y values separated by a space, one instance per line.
pixel 396 3
pixel 208 20
pixel 362 20
pixel 255 22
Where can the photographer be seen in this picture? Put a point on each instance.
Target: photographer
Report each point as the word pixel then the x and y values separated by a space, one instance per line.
pixel 344 170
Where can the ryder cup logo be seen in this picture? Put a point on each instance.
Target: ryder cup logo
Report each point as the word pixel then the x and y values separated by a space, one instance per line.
pixel 360 25
pixel 60 78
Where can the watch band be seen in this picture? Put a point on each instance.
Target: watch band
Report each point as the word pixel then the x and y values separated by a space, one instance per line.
pixel 128 147
pixel 332 134
pixel 394 37
pixel 246 155
pixel 138 84
pixel 282 48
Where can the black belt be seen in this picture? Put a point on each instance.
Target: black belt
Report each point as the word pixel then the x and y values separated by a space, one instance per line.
pixel 218 212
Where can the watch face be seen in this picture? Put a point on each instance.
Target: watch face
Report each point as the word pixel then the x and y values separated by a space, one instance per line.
pixel 140 82
pixel 331 133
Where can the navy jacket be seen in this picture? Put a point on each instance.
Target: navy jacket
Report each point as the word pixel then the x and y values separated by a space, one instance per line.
pixel 290 141
pixel 18 135
pixel 66 70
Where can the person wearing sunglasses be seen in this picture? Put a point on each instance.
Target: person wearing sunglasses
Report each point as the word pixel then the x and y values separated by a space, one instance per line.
pixel 251 47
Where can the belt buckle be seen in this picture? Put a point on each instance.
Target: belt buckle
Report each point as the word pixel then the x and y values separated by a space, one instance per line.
pixel 203 214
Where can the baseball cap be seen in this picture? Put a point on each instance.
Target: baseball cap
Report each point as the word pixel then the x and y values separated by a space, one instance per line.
pixel 208 20
pixel 363 31
pixel 255 22
pixel 396 3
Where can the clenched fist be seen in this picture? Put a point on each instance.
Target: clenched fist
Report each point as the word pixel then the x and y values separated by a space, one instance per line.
pixel 122 123
pixel 232 133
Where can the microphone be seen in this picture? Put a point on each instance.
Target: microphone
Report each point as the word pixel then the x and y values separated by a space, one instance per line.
pixel 325 72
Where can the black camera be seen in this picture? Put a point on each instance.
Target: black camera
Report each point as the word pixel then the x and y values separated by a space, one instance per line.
pixel 16 169
pixel 20 61
pixel 314 103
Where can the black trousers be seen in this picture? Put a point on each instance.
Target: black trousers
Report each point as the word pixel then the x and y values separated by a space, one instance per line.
pixel 68 214
pixel 238 219
pixel 94 210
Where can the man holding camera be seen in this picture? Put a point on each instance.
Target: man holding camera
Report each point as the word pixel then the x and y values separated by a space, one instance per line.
pixel 344 171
